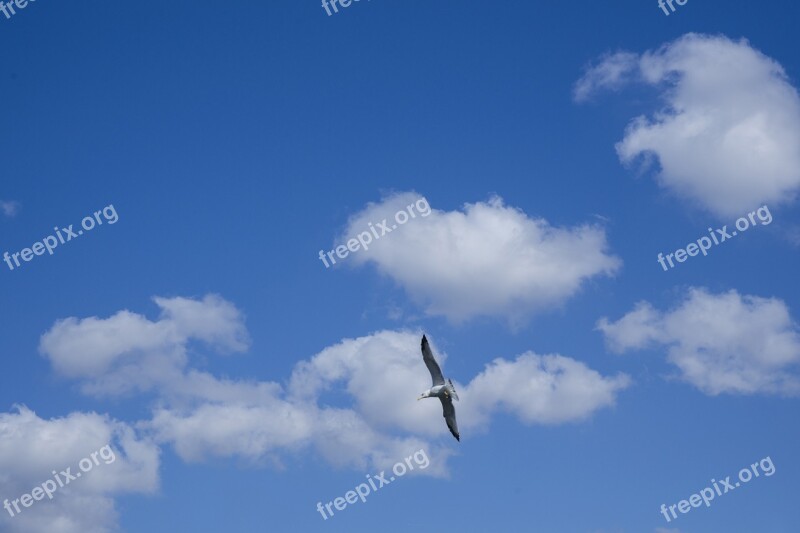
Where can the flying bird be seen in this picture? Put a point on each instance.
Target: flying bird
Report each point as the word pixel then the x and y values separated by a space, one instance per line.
pixel 445 391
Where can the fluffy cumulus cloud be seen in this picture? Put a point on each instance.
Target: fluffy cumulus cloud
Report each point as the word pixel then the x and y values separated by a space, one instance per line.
pixel 547 389
pixel 728 137
pixel 720 343
pixel 128 352
pixel 487 259
pixel 31 448
pixel 354 403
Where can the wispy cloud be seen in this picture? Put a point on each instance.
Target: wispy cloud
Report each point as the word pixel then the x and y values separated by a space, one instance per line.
pixel 9 208
pixel 612 72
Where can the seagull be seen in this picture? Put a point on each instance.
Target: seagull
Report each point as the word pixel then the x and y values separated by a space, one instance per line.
pixel 444 391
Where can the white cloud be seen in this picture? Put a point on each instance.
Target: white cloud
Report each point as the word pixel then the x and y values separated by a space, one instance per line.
pixel 128 352
pixel 612 72
pixel 636 330
pixel 9 208
pixel 728 138
pixel 211 320
pixel 545 389
pixel 721 343
pixel 227 429
pixel 487 260
pixel 32 447
pixel 354 403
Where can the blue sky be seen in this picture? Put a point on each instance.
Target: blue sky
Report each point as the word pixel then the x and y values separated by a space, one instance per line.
pixel 560 149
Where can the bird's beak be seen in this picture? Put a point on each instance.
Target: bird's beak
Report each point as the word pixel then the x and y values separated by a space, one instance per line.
pixel 420 397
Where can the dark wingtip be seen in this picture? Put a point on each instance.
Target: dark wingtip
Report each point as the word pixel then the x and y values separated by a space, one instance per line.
pixel 424 338
pixel 458 438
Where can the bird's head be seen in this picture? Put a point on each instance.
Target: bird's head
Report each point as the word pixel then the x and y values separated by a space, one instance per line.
pixel 425 394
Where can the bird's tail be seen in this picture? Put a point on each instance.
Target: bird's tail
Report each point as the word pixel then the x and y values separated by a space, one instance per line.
pixel 453 390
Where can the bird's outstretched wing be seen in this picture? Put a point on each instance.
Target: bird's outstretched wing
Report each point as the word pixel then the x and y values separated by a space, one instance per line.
pixel 430 362
pixel 450 415
pixel 453 392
